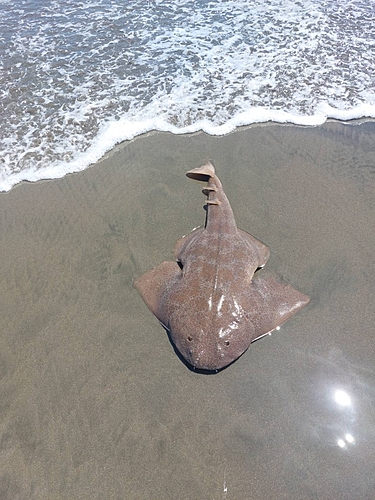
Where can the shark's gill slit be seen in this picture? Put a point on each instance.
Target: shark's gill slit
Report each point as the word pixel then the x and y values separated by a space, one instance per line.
pixel 180 264
pixel 226 342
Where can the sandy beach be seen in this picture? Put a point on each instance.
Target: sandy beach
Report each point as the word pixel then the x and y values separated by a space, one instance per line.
pixel 95 404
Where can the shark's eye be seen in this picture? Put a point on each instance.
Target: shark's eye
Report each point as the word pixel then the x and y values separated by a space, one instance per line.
pixel 226 343
pixel 190 338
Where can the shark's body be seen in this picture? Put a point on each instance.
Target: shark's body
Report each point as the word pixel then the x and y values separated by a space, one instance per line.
pixel 210 300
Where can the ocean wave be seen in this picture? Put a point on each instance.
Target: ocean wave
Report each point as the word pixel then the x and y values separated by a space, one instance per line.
pixel 115 132
pixel 78 78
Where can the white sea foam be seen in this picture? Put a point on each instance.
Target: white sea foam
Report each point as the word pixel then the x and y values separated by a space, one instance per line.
pixel 117 131
pixel 77 79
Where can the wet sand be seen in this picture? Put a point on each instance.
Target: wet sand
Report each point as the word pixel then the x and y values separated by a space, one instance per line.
pixel 95 404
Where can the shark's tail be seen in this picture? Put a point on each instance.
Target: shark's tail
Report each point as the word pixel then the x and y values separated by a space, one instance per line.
pixel 202 173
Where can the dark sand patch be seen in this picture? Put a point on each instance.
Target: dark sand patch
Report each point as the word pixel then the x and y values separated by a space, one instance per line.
pixel 94 403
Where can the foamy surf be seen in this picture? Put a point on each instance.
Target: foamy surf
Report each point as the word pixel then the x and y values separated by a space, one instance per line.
pixel 118 131
pixel 77 80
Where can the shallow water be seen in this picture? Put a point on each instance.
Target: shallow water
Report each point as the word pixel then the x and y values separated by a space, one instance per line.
pixel 78 77
pixel 95 403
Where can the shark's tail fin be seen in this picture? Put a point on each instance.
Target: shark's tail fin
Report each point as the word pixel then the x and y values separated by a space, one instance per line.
pixel 202 173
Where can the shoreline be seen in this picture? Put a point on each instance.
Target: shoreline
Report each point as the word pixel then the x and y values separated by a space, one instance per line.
pixel 354 122
pixel 95 403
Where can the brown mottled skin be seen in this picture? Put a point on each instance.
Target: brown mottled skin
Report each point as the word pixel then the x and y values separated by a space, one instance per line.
pixel 210 300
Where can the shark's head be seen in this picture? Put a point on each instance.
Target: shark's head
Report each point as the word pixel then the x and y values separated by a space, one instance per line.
pixel 205 349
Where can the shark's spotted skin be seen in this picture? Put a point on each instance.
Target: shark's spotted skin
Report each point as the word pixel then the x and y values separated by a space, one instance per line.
pixel 210 300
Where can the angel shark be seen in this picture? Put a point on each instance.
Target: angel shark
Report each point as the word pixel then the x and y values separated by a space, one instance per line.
pixel 214 299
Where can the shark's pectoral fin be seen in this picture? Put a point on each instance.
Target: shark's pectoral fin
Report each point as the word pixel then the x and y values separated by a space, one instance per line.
pixel 262 250
pixel 182 242
pixel 154 286
pixel 274 302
